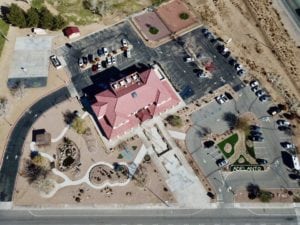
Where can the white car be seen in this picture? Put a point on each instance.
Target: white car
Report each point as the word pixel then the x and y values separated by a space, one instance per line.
pixel 108 61
pixel 55 61
pixel 80 62
pixel 283 123
pixel 260 93
pixel 124 42
pixel 189 59
pixel 224 97
pixel 255 88
pixel 220 100
pixel 287 145
pixel 113 60
pixel 254 83
pixel 99 67
pixel 105 51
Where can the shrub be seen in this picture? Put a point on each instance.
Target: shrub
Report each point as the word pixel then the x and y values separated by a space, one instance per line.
pixel 265 196
pixel 16 16
pixel 46 19
pixel 32 18
pixel 78 125
pixel 153 30
pixel 120 156
pixel 184 16
pixel 174 121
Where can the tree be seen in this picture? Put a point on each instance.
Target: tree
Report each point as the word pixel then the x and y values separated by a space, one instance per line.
pixel 184 16
pixel 58 22
pixel 32 17
pixel 46 18
pixel 231 119
pixel 41 161
pixel 253 191
pixel 16 16
pixel 265 196
pixel 44 185
pixel 69 117
pixel 3 106
pixel 78 125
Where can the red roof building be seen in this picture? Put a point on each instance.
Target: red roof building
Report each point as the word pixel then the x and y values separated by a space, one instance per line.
pixel 132 100
pixel 71 32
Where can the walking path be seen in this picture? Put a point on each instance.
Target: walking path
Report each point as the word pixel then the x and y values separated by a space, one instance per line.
pixel 64 131
pixel 177 135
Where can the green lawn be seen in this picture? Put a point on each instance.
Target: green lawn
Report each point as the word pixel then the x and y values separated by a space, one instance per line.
pixel 37 4
pixel 250 151
pixel 4 29
pixel 233 139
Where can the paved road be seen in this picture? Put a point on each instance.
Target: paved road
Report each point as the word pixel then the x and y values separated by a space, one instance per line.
pixel 291 6
pixel 226 216
pixel 14 147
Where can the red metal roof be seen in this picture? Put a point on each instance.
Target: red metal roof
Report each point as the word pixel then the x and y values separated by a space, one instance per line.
pixel 71 30
pixel 132 100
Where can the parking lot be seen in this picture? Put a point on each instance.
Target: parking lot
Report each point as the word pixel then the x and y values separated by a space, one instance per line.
pixel 170 56
pixel 210 119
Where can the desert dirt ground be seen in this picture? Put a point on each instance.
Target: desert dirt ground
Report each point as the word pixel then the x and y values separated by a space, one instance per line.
pixel 153 190
pixel 260 42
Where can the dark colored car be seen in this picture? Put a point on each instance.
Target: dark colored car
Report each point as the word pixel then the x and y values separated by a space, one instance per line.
pixel 283 128
pixel 211 195
pixel 232 61
pixel 220 48
pixel 254 128
pixel 226 54
pixel 256 138
pixel 228 95
pixel 273 110
pixel 255 133
pixel 261 161
pixel 208 144
pixel 85 59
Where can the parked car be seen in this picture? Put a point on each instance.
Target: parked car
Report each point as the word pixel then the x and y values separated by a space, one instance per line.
pixel 255 133
pixel 208 144
pixel 99 67
pixel 256 138
pixel 228 95
pixel 283 123
pixel 284 128
pixel 223 96
pixel 113 60
pixel 238 67
pixel 105 51
pixel 95 68
pixel 205 31
pixel 108 61
pixel 287 145
pixel 189 59
pixel 241 72
pixel 232 61
pixel 56 63
pixel 273 110
pixel 254 83
pixel 264 98
pixel 254 128
pixel 261 161
pixel 128 53
pixel 255 88
pixel 91 58
pixel 80 62
pixel 124 42
pixel 85 60
pixel 219 100
pixel 260 93
pixel 201 74
pixel 221 162
pixel 226 54
pixel 100 52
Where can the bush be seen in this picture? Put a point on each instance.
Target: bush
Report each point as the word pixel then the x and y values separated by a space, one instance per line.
pixel 120 156
pixel 174 121
pixel 32 18
pixel 46 19
pixel 265 196
pixel 16 16
pixel 58 22
pixel 78 125
pixel 153 30
pixel 184 16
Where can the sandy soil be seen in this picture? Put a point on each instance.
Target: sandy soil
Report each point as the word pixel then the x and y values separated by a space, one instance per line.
pixel 261 43
pixel 131 194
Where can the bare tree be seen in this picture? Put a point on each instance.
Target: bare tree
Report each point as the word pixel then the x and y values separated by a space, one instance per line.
pixel 18 89
pixel 3 106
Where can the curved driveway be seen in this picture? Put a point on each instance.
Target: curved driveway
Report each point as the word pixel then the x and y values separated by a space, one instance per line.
pixel 16 140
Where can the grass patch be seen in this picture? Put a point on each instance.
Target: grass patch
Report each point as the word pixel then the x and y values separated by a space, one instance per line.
pixel 73 11
pixel 4 29
pixel 250 151
pixel 233 139
pixel 153 30
pixel 158 2
pixel 38 4
pixel 184 16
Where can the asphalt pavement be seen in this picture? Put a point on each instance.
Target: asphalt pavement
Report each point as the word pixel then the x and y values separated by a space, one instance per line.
pixel 210 119
pixel 233 216
pixel 16 140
